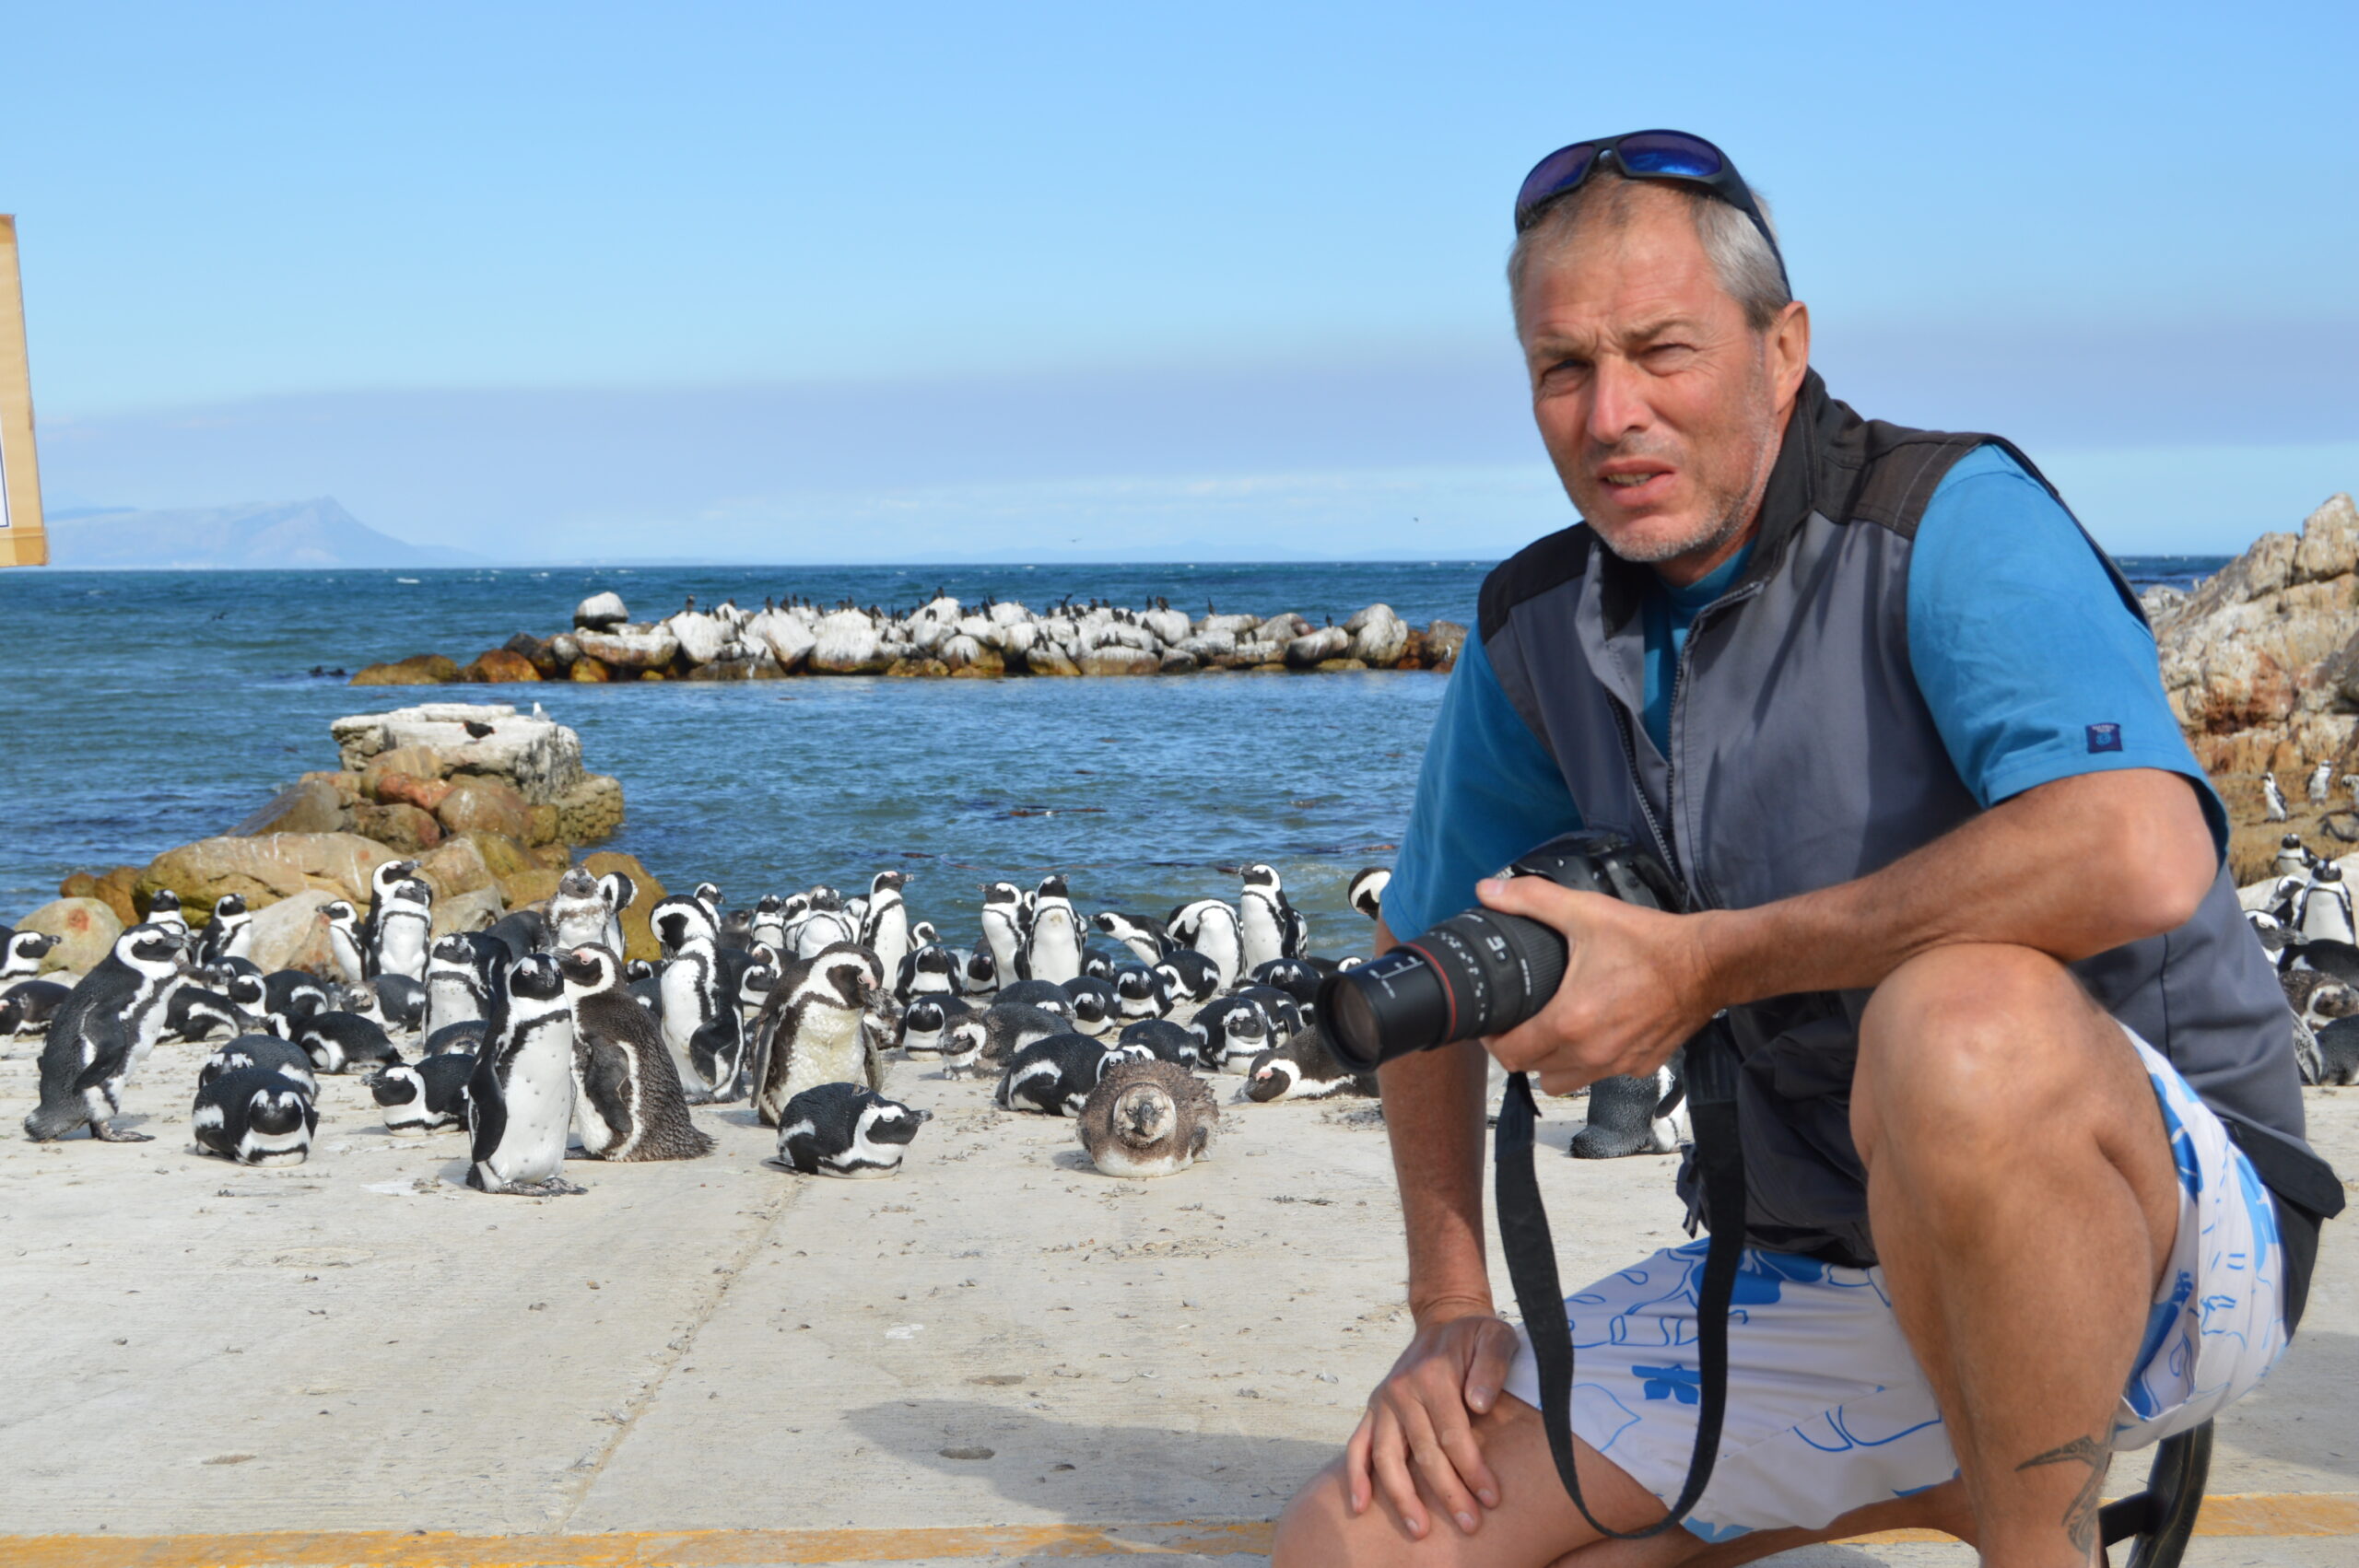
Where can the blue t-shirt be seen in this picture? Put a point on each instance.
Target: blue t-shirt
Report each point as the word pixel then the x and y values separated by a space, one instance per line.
pixel 1668 613
pixel 2021 644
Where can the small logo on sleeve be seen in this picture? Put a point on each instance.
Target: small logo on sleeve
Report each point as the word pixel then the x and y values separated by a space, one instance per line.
pixel 2105 737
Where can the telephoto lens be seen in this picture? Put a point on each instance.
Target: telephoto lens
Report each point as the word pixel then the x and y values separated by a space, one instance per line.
pixel 1481 972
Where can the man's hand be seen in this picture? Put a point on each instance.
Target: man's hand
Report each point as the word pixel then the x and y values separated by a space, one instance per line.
pixel 1417 1426
pixel 1637 986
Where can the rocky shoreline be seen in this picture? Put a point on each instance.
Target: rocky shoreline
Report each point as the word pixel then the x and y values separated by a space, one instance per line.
pixel 492 804
pixel 940 639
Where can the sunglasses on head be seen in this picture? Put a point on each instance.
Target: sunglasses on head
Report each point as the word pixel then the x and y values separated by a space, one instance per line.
pixel 1672 156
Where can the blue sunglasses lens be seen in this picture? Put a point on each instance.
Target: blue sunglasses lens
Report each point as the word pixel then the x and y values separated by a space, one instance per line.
pixel 1553 176
pixel 1663 153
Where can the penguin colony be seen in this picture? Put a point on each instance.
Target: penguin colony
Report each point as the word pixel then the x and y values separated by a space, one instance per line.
pixel 535 1037
pixel 794 636
pixel 2304 920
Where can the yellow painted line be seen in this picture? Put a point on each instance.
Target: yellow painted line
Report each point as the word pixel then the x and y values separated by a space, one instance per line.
pixel 2230 1515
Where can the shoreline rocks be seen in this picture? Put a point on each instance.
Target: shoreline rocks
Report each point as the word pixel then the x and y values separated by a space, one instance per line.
pixel 942 639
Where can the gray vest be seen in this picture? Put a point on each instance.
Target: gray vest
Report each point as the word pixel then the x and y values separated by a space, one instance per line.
pixel 1803 756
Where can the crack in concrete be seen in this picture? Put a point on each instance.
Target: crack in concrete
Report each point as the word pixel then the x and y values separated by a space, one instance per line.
pixel 678 1344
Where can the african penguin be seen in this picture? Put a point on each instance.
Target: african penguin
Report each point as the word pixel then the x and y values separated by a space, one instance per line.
pixel 927 969
pixel 456 992
pixel 1094 1009
pixel 403 1001
pixel 1366 891
pixel 628 1101
pixel 29 1005
pixel 702 1027
pixel 1053 1076
pixel 1147 939
pixel 401 936
pixel 338 1042
pixel 164 909
pixel 1169 1041
pixel 621 893
pixel 1234 1026
pixel 1003 920
pixel 1304 1068
pixel 1268 927
pixel 194 1013
pixel 2325 914
pixel 885 930
pixel 382 882
pixel 980 974
pixel 1147 1118
pixel 254 1116
pixel 1140 992
pixel 426 1095
pixel 230 933
pixel 2272 799
pixel 811 1030
pixel 520 1098
pixel 1054 950
pixel 1189 976
pixel 21 955
pixel 101 1033
pixel 2339 1052
pixel 2321 782
pixel 344 942
pixel 987 1040
pixel 769 924
pixel 1046 995
pixel 927 1016
pixel 1634 1115
pixel 1211 927
pixel 845 1129
pixel 267 1051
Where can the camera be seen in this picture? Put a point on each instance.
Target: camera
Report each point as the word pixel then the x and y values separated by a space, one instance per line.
pixel 1481 972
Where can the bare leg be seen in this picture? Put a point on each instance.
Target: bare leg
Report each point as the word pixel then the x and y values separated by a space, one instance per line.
pixel 2024 1201
pixel 1534 1525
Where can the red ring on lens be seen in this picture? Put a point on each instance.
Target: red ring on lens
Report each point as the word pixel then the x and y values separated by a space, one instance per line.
pixel 1442 974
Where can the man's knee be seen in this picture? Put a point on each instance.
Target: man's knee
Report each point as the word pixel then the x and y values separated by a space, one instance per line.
pixel 1958 1043
pixel 1312 1529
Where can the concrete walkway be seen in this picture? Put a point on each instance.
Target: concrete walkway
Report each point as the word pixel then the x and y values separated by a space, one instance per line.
pixel 1000 1355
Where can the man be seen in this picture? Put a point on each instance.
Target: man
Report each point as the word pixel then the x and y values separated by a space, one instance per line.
pixel 1896 726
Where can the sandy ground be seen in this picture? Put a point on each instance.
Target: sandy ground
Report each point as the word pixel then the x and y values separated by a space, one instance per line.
pixel 998 1336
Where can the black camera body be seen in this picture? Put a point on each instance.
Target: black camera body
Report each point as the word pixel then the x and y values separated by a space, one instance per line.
pixel 1480 972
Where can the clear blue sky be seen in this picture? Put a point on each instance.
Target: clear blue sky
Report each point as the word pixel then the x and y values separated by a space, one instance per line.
pixel 785 282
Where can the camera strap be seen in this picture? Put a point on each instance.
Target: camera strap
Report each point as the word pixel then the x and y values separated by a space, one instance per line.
pixel 1710 1067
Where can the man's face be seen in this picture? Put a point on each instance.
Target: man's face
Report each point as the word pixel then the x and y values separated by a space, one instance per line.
pixel 1661 408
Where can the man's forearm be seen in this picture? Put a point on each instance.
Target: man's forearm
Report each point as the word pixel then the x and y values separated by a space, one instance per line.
pixel 2072 869
pixel 1433 1115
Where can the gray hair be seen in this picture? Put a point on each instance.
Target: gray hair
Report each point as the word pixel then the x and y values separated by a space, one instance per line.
pixel 1741 260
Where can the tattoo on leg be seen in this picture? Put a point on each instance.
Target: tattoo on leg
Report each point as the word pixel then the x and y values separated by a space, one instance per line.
pixel 2081 1514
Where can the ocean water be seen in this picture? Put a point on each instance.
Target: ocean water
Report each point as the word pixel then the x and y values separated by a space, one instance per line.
pixel 139 710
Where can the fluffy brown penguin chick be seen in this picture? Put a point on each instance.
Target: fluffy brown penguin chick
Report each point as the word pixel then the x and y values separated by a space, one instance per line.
pixel 1148 1118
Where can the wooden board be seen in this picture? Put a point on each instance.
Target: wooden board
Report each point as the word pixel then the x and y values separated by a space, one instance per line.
pixel 23 541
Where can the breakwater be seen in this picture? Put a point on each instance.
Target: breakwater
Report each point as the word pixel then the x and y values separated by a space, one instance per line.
pixel 941 638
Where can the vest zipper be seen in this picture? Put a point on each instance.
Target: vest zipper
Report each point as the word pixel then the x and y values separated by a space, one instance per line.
pixel 1696 897
pixel 1638 792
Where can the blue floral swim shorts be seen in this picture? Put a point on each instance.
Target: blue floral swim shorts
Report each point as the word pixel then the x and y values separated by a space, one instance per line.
pixel 1827 1411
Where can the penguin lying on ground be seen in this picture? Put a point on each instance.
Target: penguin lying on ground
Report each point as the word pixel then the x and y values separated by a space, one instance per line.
pixel 1296 977
pixel 845 1129
pixel 267 1051
pixel 338 1042
pixel 1046 995
pixel 1365 892
pixel 255 1117
pixel 1095 1006
pixel 1634 1115
pixel 196 1014
pixel 1140 993
pixel 1147 1118
pixel 627 1100
pixel 2339 1052
pixel 402 1002
pixel 1189 976
pixel 1304 1068
pixel 927 1016
pixel 26 1007
pixel 1234 1028
pixel 987 1041
pixel 427 1095
pixel 1053 1076
pixel 927 969
pixel 101 1033
pixel 1165 1040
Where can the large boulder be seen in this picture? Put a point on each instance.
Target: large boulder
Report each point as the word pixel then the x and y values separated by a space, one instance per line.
pixel 455 866
pixel 1442 640
pixel 85 930
pixel 1378 636
pixel 1170 627
pixel 468 911
pixel 398 826
pixel 600 613
pixel 788 638
pixel 847 644
pixel 1047 659
pixel 591 810
pixel 392 787
pixel 701 637
pixel 633 650
pixel 485 805
pixel 308 806
pixel 111 888
pixel 293 935
pixel 264 870
pixel 1314 649
pixel 1117 660
pixel 417 670
pixel 541 757
pixel 2258 660
pixel 499 667
pixel 638 942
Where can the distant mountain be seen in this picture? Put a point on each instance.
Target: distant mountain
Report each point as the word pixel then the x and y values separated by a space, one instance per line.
pixel 252 537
